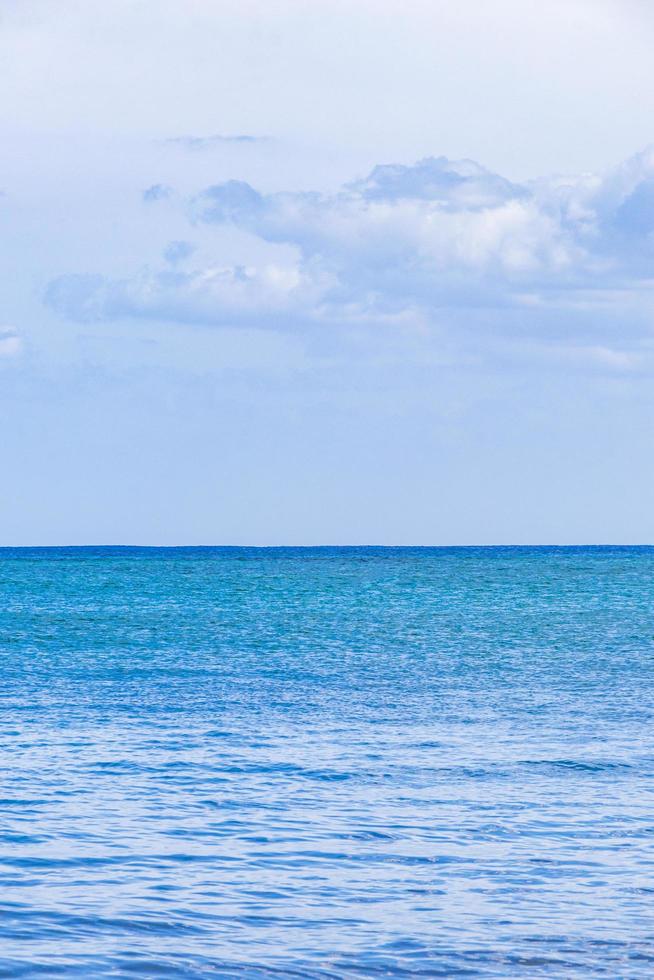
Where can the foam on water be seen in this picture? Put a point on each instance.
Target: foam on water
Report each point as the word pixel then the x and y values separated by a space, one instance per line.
pixel 327 762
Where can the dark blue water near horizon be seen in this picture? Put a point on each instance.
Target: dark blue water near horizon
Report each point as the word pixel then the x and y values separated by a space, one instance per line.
pixel 327 762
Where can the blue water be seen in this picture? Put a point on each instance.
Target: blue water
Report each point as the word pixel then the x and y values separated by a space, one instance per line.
pixel 327 762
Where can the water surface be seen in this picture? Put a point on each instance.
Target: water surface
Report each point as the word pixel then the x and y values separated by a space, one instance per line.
pixel 327 762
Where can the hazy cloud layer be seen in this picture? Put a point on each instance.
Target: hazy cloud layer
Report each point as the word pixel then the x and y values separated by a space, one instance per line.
pixel 423 244
pixel 210 142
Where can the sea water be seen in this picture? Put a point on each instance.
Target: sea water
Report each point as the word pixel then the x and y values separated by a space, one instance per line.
pixel 337 762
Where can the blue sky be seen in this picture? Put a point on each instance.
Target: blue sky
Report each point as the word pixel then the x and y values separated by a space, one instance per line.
pixel 329 273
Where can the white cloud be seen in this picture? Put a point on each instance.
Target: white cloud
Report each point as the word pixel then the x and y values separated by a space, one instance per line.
pixel 269 295
pixel 10 342
pixel 425 242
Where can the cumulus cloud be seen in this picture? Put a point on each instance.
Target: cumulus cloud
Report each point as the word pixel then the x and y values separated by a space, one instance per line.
pixel 419 242
pixel 269 295
pixel 455 183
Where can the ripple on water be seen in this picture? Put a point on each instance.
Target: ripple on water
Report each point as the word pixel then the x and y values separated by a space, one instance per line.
pixel 324 763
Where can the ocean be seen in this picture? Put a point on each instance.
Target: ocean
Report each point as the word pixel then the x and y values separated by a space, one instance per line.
pixel 327 762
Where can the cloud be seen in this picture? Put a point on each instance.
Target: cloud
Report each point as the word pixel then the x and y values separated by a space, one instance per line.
pixel 456 183
pixel 157 192
pixel 233 201
pixel 437 242
pixel 178 251
pixel 10 342
pixel 210 142
pixel 214 295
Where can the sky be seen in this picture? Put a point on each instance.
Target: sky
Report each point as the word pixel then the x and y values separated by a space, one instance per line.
pixel 330 273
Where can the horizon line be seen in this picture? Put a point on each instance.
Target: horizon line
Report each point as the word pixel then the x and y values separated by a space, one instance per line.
pixel 307 547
